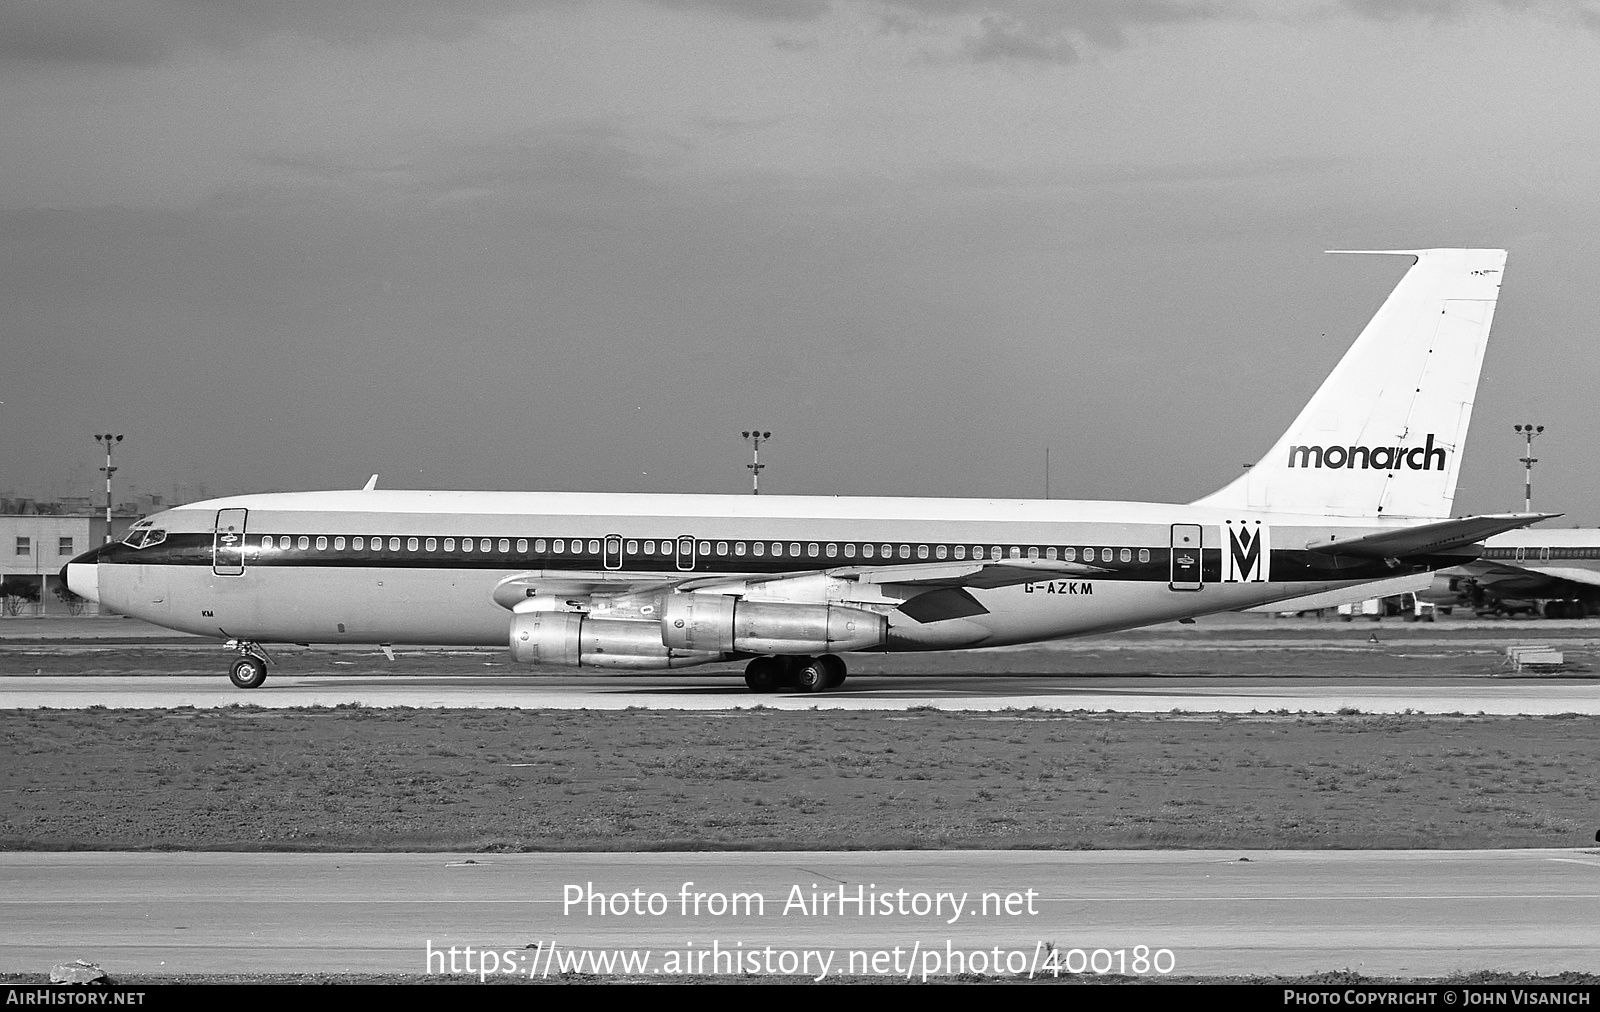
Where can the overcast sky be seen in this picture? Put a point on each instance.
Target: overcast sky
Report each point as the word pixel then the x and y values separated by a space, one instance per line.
pixel 575 245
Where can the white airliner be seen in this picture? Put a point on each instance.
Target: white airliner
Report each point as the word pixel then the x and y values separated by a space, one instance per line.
pixel 1556 572
pixel 1358 489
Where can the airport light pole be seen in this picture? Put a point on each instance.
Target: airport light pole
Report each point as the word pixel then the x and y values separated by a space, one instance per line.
pixel 1528 460
pixel 110 441
pixel 756 437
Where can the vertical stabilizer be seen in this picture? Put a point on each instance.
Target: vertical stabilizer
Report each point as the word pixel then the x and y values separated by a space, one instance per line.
pixel 1384 434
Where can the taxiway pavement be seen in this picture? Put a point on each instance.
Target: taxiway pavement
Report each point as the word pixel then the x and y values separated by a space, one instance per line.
pixel 1225 694
pixel 1382 913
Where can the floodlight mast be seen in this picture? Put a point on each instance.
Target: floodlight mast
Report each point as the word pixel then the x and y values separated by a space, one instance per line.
pixel 1528 460
pixel 756 437
pixel 110 441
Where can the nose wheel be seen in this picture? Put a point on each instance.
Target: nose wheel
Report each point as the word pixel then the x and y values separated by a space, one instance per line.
pixel 249 671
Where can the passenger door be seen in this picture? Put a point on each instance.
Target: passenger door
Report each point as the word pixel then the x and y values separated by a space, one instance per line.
pixel 1185 557
pixel 227 543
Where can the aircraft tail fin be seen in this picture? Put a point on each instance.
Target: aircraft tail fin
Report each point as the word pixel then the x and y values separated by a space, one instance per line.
pixel 1383 436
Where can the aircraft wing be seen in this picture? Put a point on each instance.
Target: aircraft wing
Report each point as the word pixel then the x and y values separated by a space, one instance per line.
pixel 1570 573
pixel 975 574
pixel 1428 539
pixel 980 575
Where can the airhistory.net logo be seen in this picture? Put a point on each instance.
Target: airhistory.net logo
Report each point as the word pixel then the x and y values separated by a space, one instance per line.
pixel 1382 458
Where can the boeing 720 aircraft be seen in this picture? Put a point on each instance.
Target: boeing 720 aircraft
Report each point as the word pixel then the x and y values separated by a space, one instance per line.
pixel 1358 489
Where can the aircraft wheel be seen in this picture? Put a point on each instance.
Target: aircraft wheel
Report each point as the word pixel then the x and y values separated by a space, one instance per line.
pixel 811 675
pixel 764 674
pixel 836 670
pixel 248 672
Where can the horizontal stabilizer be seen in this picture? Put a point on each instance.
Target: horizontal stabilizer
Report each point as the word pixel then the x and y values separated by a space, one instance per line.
pixel 1429 539
pixel 1411 583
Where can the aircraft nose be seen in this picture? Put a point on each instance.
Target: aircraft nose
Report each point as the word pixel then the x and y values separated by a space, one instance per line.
pixel 82 574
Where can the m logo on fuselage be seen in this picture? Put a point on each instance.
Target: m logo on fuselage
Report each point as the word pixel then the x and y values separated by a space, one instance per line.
pixel 1247 557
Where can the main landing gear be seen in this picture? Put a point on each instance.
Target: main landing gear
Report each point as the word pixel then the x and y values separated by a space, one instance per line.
pixel 250 670
pixel 803 674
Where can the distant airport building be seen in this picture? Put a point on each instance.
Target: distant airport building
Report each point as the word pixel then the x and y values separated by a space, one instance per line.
pixel 38 538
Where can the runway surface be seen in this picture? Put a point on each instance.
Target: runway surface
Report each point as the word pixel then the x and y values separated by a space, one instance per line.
pixel 1382 913
pixel 1227 694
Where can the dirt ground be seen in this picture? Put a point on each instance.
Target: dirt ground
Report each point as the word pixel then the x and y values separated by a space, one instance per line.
pixel 387 779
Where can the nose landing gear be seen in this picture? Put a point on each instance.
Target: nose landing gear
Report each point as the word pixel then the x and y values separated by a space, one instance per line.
pixel 250 670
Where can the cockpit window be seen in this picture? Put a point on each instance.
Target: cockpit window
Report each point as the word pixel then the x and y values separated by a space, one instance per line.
pixel 144 538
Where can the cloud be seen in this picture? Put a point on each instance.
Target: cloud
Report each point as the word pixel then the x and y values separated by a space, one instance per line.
pixel 1008 39
pixel 78 33
pixel 757 10
pixel 115 32
pixel 1045 31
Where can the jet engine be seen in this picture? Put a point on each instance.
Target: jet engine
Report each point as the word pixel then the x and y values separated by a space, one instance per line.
pixel 576 640
pixel 716 623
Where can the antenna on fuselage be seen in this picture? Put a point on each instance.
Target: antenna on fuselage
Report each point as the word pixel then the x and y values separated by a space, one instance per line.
pixel 371 484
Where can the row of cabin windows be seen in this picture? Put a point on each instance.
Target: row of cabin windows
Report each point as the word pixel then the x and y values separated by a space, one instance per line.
pixel 1541 554
pixel 63 546
pixel 669 548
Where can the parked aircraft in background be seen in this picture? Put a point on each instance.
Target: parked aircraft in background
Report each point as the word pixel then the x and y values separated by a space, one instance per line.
pixel 1545 571
pixel 1359 488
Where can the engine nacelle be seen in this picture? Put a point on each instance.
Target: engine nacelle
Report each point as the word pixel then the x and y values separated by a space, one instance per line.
pixel 576 640
pixel 714 622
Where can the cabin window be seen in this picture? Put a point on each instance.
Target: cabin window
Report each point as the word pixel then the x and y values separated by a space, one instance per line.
pixel 961 551
pixel 1050 553
pixel 1105 555
pixel 941 551
pixel 866 551
pixel 1016 553
pixel 722 548
pixel 777 550
pixel 594 546
pixel 431 544
pixel 833 550
pixel 359 544
pixel 888 551
pixel 1069 554
pixel 411 544
pixel 977 551
pixel 1033 552
pixel 1126 555
pixel 922 551
pixel 322 543
pixel 338 544
pixel 505 546
pixel 738 548
pixel 649 548
pixel 633 548
pixel 266 542
pixel 522 546
pixel 394 544
pixel 812 550
pixel 849 551
pixel 1144 555
pixel 560 546
pixel 759 547
pixel 997 552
